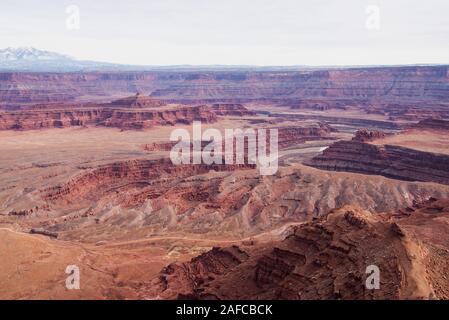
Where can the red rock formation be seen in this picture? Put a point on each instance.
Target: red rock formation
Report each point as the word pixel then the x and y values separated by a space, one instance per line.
pixel 383 85
pixel 155 196
pixel 185 280
pixel 432 124
pixel 136 119
pixel 324 259
pixel 135 172
pixel 159 146
pixel 389 161
pixel 336 120
pixel 119 118
pixel 321 104
pixel 229 109
pixel 289 136
pixel 366 136
pixel 409 110
pixel 137 101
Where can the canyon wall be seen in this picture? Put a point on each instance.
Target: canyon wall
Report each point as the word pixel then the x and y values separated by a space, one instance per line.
pixel 101 116
pixel 333 87
pixel 287 136
pixel 432 124
pixel 390 161
pixel 142 197
pixel 323 259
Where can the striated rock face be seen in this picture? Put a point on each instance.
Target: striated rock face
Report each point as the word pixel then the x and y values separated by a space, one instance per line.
pixel 287 136
pixel 358 83
pixel 146 118
pixel 119 118
pixel 231 109
pixel 390 161
pixel 365 135
pixel 142 197
pixel 321 104
pixel 324 259
pixel 159 146
pixel 432 124
pixel 129 174
pixel 336 120
pixel 290 136
pixel 137 101
pixel 27 120
pixel 185 280
pixel 383 86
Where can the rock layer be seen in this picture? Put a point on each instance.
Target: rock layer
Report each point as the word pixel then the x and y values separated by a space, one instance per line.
pixel 388 160
pixel 324 259
pixel 379 87
pixel 100 116
pixel 142 197
pixel 432 124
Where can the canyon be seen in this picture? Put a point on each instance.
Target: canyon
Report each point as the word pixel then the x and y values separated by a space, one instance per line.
pixel 323 259
pixel 407 92
pixel 399 156
pixel 362 180
pixel 135 112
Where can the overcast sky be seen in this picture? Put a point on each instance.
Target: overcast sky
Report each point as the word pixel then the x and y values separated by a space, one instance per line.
pixel 237 32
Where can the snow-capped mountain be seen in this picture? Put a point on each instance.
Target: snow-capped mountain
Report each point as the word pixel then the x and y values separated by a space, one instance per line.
pixel 29 54
pixel 30 59
pixel 35 60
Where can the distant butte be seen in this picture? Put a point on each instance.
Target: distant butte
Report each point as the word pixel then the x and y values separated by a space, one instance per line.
pixel 432 124
pixel 137 101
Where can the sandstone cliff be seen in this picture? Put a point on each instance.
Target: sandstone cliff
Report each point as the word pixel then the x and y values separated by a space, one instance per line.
pixel 380 86
pixel 432 124
pixel 143 197
pixel 101 116
pixel 324 259
pixel 389 160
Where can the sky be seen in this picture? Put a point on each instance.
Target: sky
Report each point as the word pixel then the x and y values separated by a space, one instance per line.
pixel 233 32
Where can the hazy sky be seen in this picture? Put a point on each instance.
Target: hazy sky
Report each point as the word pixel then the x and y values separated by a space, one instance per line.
pixel 254 32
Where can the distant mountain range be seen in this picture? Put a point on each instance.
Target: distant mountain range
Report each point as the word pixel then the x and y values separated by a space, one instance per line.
pixel 35 60
pixel 31 59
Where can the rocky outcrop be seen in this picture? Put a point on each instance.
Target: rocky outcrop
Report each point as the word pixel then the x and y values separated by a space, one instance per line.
pixel 390 161
pixel 159 146
pixel 44 232
pixel 230 109
pixel 128 174
pixel 288 136
pixel 145 119
pixel 294 135
pixel 137 101
pixel 336 120
pixel 408 110
pixel 366 136
pixel 118 118
pixel 185 280
pixel 329 258
pixel 321 104
pixel 432 124
pixel 155 196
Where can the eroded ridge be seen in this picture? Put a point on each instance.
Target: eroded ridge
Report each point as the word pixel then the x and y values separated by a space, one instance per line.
pixel 323 259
